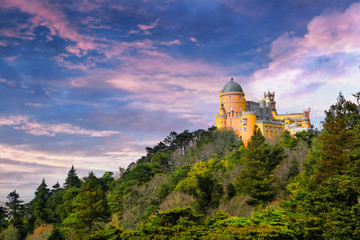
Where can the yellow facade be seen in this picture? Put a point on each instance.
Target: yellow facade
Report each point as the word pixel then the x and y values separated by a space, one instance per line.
pixel 242 116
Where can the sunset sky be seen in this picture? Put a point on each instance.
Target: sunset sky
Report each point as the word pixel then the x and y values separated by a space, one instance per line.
pixel 92 83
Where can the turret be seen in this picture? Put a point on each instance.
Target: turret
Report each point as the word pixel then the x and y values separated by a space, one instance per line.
pixel 221 117
pixel 271 97
pixel 262 102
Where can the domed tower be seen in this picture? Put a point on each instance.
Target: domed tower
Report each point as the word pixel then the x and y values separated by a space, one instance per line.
pixel 231 104
pixel 232 96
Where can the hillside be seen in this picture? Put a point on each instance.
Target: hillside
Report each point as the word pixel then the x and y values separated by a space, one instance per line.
pixel 206 185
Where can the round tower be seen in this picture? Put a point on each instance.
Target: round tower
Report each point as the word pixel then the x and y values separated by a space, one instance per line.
pixel 233 98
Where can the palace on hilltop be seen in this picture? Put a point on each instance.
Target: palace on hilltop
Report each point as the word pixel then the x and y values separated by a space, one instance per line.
pixel 242 116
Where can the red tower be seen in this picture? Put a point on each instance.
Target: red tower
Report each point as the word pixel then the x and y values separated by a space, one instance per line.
pixel 271 97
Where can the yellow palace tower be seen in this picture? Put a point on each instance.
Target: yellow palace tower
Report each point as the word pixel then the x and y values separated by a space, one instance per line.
pixel 242 116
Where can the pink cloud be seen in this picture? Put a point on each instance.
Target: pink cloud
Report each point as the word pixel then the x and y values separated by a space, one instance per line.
pixel 11 59
pixel 30 126
pixel 116 49
pixel 170 43
pixel 3 43
pixel 61 60
pixel 146 28
pixel 322 62
pixel 133 31
pixel 44 14
pixel 193 39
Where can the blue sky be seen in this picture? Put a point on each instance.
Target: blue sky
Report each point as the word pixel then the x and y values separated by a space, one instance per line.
pixel 92 83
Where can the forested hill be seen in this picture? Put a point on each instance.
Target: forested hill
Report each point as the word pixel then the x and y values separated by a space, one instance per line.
pixel 206 185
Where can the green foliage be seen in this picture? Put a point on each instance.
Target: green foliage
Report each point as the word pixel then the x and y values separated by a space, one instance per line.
pixel 92 204
pixel 294 169
pixel 171 217
pixel 110 233
pixel 138 176
pixel 305 136
pixel 338 138
pixel 230 190
pixel 3 218
pixel 40 212
pixel 10 233
pixel 70 198
pixel 259 162
pixel 56 235
pixel 324 211
pixel 72 180
pixel 178 175
pixel 201 184
pixel 16 212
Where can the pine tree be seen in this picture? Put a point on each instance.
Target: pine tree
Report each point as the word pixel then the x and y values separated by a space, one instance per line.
pixel 93 205
pixel 42 195
pixel 3 218
pixel 14 205
pixel 256 178
pixel 55 188
pixel 338 138
pixel 72 180
pixel 16 213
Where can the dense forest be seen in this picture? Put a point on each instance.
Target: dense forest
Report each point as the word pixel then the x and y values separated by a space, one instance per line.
pixel 206 185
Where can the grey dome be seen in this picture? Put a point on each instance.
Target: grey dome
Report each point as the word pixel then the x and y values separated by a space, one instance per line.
pixel 232 87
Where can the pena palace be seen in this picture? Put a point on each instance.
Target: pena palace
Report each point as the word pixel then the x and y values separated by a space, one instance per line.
pixel 242 116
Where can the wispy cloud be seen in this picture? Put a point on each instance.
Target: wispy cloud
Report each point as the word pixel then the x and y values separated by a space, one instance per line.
pixel 44 14
pixel 7 82
pixel 170 43
pixel 30 126
pixel 146 28
pixel 193 39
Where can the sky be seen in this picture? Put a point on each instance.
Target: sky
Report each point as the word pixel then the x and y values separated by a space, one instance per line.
pixel 91 83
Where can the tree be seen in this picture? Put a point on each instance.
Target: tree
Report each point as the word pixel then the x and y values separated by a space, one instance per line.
pixel 55 188
pixel 16 213
pixel 183 140
pixel 14 205
pixel 258 165
pixel 92 204
pixel 3 218
pixel 72 180
pixel 338 138
pixel 42 195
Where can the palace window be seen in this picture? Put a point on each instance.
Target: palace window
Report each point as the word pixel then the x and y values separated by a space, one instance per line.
pixel 230 97
pixel 240 120
pixel 234 129
pixel 244 121
pixel 244 129
pixel 271 129
pixel 231 109
pixel 280 130
pixel 240 98
pixel 240 109
pixel 267 128
pixel 276 129
pixel 240 129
